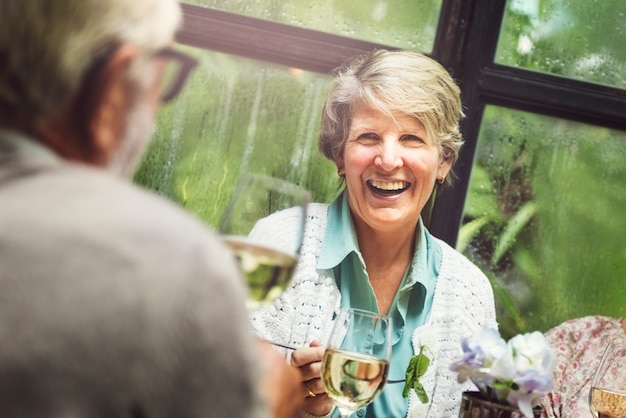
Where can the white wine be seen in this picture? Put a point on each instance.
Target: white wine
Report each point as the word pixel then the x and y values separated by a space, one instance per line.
pixel 607 403
pixel 266 270
pixel 353 380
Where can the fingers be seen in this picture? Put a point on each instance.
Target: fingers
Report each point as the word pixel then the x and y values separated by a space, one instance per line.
pixel 319 405
pixel 310 392
pixel 317 401
pixel 309 362
pixel 314 387
pixel 307 355
pixel 311 370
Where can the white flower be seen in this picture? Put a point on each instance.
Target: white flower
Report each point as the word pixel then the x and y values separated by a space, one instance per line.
pixel 518 372
pixel 524 352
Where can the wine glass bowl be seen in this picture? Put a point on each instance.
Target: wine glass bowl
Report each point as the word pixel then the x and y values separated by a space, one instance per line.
pixel 356 360
pixel 607 397
pixel 267 259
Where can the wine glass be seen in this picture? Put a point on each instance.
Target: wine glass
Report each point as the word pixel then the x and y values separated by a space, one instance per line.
pixel 607 397
pixel 356 360
pixel 266 258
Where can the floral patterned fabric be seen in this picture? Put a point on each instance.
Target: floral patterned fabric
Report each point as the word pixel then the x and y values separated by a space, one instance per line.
pixel 579 344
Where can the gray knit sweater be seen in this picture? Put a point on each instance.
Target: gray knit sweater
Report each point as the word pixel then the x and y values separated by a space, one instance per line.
pixel 463 304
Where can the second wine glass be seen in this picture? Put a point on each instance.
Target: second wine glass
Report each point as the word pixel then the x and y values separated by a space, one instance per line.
pixel 267 258
pixel 356 361
pixel 607 397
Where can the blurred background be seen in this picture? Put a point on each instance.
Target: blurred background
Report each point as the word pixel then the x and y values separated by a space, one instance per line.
pixel 540 202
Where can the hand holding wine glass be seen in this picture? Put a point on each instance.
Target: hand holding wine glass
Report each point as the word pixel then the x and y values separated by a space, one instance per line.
pixel 607 398
pixel 267 264
pixel 356 361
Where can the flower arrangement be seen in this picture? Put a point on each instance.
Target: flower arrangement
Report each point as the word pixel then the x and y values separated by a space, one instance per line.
pixel 517 372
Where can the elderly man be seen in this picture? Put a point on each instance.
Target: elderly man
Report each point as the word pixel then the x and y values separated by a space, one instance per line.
pixel 113 302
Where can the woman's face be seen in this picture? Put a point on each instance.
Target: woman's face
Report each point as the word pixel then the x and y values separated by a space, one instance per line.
pixel 390 167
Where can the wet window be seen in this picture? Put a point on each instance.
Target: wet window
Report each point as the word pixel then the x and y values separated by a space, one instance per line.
pixel 583 40
pixel 233 115
pixel 545 218
pixel 409 24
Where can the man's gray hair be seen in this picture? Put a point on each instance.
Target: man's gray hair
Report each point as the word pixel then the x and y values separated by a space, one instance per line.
pixel 48 46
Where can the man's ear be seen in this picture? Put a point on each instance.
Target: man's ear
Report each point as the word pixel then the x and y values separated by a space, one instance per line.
pixel 107 99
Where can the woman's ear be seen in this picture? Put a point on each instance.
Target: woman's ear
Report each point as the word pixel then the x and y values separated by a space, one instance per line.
pixel 106 101
pixel 445 165
pixel 341 171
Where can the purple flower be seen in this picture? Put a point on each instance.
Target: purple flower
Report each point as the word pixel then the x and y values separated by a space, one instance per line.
pixel 534 381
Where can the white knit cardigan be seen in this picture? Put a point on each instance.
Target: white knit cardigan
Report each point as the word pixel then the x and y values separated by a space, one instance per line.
pixel 463 304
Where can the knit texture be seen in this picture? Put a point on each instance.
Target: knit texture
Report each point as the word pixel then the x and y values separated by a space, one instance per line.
pixel 463 304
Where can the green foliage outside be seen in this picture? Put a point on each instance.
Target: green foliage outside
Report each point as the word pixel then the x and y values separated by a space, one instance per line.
pixel 545 218
pixel 579 39
pixel 545 209
pixel 236 115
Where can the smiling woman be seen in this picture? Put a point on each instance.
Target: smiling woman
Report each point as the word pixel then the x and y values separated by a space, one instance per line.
pixel 390 165
pixel 391 127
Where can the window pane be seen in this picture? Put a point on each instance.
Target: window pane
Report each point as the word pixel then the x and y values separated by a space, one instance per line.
pixel 409 24
pixel 545 218
pixel 578 39
pixel 234 115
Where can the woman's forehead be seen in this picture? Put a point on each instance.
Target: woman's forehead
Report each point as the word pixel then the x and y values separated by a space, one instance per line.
pixel 363 117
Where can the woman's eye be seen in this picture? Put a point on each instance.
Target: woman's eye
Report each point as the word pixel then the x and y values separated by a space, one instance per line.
pixel 412 138
pixel 369 136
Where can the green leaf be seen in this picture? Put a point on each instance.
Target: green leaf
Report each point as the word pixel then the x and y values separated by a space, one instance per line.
pixel 418 365
pixel 420 392
pixel 513 228
pixel 410 376
pixel 469 230
pixel 481 197
pixel 422 363
pixel 502 385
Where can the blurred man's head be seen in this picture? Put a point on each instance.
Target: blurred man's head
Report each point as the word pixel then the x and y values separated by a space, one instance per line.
pixel 84 76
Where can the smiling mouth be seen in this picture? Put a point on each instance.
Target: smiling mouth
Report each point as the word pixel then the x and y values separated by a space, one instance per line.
pixel 388 188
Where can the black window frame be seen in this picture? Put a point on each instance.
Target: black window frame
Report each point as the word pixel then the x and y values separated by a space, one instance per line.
pixel 465 43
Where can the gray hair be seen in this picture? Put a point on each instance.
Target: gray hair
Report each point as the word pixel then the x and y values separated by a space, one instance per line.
pixel 48 46
pixel 405 82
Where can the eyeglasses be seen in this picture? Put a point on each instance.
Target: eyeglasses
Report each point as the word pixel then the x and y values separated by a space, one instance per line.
pixel 175 73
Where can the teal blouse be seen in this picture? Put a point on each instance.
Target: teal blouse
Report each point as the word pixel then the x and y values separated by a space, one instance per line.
pixel 409 310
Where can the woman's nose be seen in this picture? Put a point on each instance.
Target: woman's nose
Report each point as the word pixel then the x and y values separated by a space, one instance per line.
pixel 389 156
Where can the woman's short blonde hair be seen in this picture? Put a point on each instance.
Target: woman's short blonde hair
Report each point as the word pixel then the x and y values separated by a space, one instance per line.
pixel 47 46
pixel 404 82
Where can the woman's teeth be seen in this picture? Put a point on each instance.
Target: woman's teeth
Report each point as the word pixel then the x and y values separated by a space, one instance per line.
pixel 388 188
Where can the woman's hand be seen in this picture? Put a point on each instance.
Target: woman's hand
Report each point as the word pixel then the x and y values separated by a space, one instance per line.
pixel 309 361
